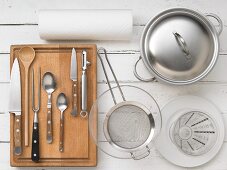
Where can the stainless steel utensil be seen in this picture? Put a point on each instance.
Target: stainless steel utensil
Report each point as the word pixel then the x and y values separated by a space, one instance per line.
pixel 73 76
pixel 128 125
pixel 15 105
pixel 62 106
pixel 179 46
pixel 49 85
pixel 194 133
pixel 35 133
pixel 85 63
pixel 26 55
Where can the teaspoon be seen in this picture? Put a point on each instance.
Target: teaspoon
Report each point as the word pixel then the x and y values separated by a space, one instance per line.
pixel 62 105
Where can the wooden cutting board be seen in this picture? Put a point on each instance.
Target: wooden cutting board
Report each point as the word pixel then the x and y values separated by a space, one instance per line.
pixel 79 148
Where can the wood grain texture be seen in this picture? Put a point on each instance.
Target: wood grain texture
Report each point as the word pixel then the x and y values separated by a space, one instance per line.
pixel 79 148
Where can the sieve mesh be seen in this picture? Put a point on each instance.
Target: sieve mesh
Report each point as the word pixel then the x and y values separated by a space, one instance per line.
pixel 128 126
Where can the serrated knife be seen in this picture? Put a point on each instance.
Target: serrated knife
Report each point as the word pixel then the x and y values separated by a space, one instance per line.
pixel 73 77
pixel 15 105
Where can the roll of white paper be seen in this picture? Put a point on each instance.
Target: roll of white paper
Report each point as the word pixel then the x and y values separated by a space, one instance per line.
pixel 85 24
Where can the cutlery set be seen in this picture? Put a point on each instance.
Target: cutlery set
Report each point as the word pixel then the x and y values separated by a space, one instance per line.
pixel 27 56
pixel 193 132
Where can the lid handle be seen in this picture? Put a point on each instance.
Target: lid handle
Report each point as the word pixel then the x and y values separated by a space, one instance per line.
pixel 182 44
pixel 138 76
pixel 220 24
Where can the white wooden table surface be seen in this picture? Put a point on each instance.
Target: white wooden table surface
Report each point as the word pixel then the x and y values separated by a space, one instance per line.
pixel 18 25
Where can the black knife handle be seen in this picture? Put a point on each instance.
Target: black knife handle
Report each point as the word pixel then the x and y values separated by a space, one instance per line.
pixel 35 142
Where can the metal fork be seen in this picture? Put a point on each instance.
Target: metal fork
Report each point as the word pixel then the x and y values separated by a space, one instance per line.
pixel 35 133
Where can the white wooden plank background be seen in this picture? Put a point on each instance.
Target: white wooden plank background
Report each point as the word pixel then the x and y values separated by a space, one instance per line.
pixel 18 25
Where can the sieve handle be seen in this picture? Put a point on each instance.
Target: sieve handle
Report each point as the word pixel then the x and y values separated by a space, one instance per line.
pixel 111 69
pixel 138 156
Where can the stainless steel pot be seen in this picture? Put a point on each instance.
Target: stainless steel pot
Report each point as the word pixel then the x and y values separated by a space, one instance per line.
pixel 179 46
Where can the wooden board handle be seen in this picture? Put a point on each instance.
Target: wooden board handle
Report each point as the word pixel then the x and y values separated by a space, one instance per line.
pixel 17 135
pixel 35 142
pixel 49 126
pixel 61 141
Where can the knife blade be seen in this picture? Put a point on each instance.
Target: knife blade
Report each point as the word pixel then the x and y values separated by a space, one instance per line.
pixel 15 105
pixel 73 77
pixel 73 73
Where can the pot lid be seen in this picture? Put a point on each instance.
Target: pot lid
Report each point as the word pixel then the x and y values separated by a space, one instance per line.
pixel 179 46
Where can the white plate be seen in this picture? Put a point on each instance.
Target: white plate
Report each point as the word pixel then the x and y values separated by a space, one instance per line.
pixel 170 113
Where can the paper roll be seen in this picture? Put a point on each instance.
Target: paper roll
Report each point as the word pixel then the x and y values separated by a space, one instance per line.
pixel 85 24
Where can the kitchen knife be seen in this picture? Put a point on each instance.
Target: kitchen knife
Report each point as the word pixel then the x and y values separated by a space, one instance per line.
pixel 15 105
pixel 73 76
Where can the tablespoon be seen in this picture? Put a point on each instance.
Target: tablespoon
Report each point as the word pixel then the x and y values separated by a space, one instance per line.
pixel 62 105
pixel 49 85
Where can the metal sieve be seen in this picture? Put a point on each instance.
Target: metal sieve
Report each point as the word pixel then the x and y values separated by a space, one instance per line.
pixel 129 125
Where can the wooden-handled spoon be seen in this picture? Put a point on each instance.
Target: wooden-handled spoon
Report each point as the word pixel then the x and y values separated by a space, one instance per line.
pixel 62 104
pixel 26 55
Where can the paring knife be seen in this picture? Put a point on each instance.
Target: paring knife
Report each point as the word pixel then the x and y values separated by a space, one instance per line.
pixel 15 105
pixel 73 77
pixel 84 112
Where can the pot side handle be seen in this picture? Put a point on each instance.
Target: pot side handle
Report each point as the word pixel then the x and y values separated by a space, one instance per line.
pixel 220 25
pixel 138 76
